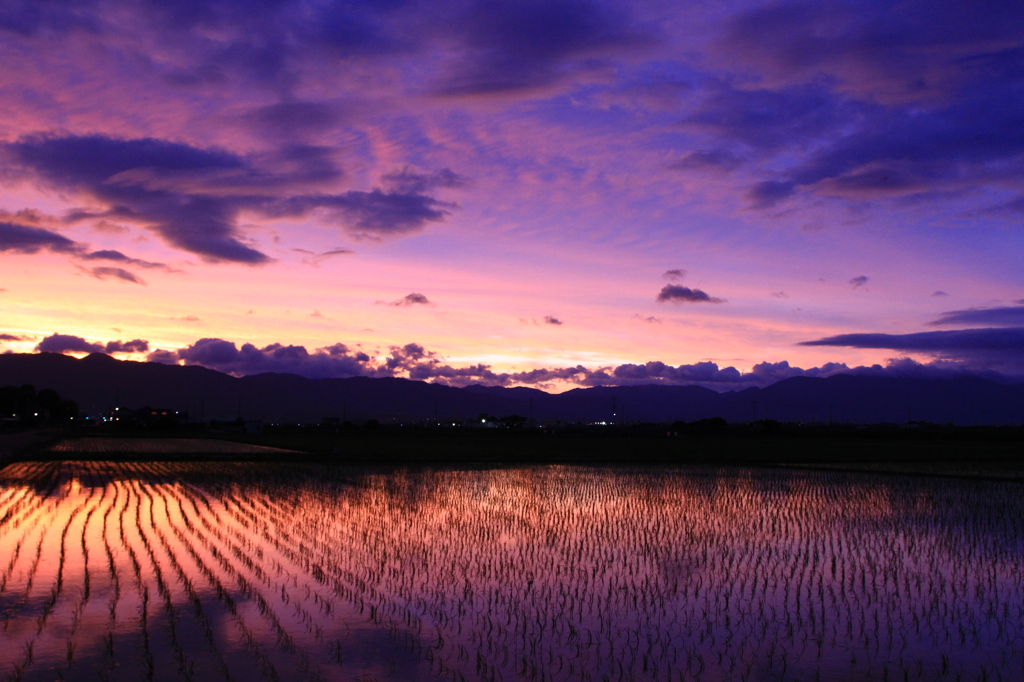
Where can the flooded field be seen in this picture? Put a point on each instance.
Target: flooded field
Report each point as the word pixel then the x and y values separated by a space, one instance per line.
pixel 209 571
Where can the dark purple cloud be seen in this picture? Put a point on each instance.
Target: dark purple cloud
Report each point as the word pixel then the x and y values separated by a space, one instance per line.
pixel 408 180
pixel 27 239
pixel 409 300
pixel 866 100
pixel 115 273
pixel 151 181
pixel 375 213
pixel 34 17
pixel 1008 339
pixel 192 197
pixel 136 346
pixel 680 294
pixel 511 45
pixel 912 47
pixel 12 337
pixel 66 343
pixel 765 119
pixel 1007 316
pixel 493 45
pixel 549 319
pixel 991 348
pixel 859 281
pixel 118 257
pixel 674 275
pixel 225 356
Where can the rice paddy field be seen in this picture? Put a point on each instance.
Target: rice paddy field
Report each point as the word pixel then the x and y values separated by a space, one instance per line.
pixel 249 571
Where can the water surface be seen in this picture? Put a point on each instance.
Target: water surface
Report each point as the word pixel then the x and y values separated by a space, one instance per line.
pixel 210 571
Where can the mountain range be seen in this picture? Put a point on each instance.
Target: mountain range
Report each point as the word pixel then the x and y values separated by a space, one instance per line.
pixel 98 383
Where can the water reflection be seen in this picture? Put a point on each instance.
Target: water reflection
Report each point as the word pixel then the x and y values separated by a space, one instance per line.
pixel 247 571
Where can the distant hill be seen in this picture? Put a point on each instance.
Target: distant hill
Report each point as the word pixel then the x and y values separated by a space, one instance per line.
pixel 99 383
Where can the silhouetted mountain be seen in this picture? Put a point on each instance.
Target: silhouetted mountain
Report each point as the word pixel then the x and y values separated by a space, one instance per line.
pixel 98 383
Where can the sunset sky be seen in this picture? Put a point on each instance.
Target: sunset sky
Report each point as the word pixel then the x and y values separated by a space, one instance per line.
pixel 553 193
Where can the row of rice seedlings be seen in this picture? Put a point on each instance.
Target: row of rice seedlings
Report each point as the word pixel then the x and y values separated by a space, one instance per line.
pixel 144 518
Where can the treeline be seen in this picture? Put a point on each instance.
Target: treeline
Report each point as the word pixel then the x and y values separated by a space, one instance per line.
pixel 25 406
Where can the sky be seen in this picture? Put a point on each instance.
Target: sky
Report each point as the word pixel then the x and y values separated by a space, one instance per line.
pixel 553 193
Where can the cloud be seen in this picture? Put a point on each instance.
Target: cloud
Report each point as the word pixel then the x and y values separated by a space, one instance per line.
pixel 408 180
pixel 763 118
pixel 192 197
pixel 865 100
pixel 674 275
pixel 859 281
pixel 648 318
pixel 154 182
pixel 334 361
pixel 475 47
pixel 960 339
pixel 780 294
pixel 897 50
pixel 313 258
pixel 549 319
pixel 768 193
pixel 408 300
pixel 13 337
pixel 680 294
pixel 939 293
pixel 136 346
pixel 285 119
pixel 517 45
pixel 977 348
pixel 374 213
pixel 27 239
pixel 118 257
pixel 1008 316
pixel 116 273
pixel 703 160
pixel 65 343
pixel 61 343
